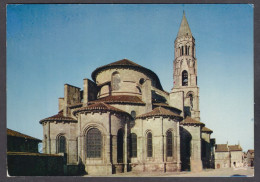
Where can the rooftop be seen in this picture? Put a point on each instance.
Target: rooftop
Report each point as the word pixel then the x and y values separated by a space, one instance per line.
pixel 235 148
pixel 20 135
pixel 100 106
pixel 58 117
pixel 190 121
pixel 119 99
pixel 206 130
pixel 221 148
pixel 159 111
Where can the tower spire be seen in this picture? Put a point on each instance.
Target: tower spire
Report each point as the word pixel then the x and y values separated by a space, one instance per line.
pixel 184 28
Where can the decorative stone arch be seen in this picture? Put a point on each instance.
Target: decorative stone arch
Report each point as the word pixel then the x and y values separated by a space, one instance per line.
pixel 61 143
pixel 190 95
pixel 85 132
pixel 139 90
pixel 115 81
pixel 94 125
pixel 187 49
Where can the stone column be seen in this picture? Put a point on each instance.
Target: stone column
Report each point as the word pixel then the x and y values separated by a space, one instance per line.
pixel 114 149
pixel 178 150
pixel 49 138
pixel 125 149
pixel 162 142
pixel 79 138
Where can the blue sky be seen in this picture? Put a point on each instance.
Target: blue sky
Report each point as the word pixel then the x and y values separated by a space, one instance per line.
pixel 50 45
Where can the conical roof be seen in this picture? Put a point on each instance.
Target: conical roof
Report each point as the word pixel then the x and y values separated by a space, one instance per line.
pixel 184 28
pixel 206 130
pixel 100 106
pixel 58 117
pixel 190 121
pixel 159 111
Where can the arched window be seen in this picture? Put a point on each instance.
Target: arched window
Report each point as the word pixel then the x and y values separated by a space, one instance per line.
pixel 191 100
pixel 120 145
pixel 133 114
pixel 186 50
pixel 116 81
pixel 184 78
pixel 94 143
pixel 61 144
pixel 149 144
pixel 133 145
pixel 169 144
pixel 182 50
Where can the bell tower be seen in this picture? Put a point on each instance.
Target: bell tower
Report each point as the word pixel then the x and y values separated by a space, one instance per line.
pixel 185 70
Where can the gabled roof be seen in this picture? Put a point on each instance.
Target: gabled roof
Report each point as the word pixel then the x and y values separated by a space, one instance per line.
pixel 190 121
pixel 125 63
pixel 20 135
pixel 206 130
pixel 159 111
pixel 235 148
pixel 184 28
pixel 221 148
pixel 100 106
pixel 122 99
pixel 58 117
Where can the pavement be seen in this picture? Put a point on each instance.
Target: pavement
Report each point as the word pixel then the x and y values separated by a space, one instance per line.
pixel 227 172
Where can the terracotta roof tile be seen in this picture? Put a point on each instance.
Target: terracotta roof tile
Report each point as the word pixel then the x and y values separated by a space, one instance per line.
pixel 100 106
pixel 119 99
pixel 127 64
pixel 124 62
pixel 221 148
pixel 206 130
pixel 235 148
pixel 159 111
pixel 188 120
pixel 58 117
pixel 20 135
pixel 165 105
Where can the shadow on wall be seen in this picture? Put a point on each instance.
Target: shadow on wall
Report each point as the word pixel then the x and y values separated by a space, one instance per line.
pixel 185 146
pixel 36 164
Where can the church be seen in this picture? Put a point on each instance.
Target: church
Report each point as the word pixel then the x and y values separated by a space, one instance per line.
pixel 122 120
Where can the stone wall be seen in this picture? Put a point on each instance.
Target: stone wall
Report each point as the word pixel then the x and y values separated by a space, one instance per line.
pixel 31 164
pixel 159 161
pixel 222 160
pixel 129 82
